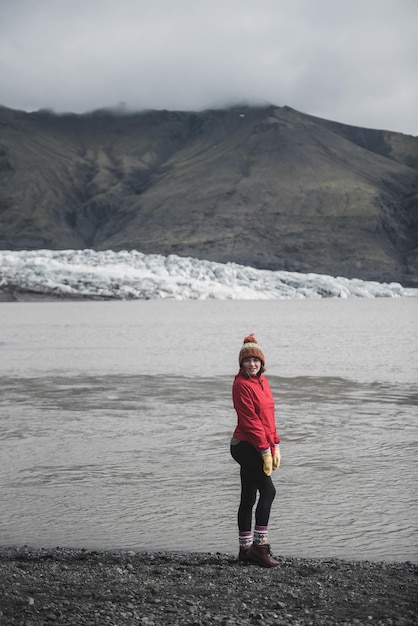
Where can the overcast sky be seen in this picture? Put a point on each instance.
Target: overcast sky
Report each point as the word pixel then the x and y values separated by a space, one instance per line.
pixel 353 61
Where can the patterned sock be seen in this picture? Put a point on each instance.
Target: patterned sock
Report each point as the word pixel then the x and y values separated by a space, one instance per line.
pixel 245 540
pixel 260 535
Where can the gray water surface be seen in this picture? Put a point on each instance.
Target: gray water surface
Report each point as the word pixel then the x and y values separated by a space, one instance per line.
pixel 116 418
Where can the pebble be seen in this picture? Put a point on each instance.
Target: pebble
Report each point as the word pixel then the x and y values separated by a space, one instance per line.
pixel 76 587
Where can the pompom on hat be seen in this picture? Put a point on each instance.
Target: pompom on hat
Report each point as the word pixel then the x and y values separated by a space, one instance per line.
pixel 250 348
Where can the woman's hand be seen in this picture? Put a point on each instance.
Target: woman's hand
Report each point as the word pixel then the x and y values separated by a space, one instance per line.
pixel 267 463
pixel 276 458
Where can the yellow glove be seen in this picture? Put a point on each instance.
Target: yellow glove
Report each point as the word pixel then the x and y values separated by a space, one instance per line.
pixel 267 463
pixel 276 458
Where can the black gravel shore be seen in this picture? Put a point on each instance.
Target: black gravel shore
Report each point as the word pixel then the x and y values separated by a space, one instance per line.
pixel 66 586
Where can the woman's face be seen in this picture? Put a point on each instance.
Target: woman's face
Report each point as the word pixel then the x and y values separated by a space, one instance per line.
pixel 252 366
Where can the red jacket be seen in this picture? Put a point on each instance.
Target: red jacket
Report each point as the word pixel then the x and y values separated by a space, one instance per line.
pixel 254 404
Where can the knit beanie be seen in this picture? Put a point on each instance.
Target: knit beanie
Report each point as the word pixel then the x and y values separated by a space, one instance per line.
pixel 250 348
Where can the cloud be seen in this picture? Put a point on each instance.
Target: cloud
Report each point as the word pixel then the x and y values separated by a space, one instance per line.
pixel 354 62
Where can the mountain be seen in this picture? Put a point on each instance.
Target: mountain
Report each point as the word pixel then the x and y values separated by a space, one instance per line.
pixel 269 187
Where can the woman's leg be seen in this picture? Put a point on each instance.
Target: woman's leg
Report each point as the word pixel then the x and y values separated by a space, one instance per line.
pixel 248 497
pixel 253 478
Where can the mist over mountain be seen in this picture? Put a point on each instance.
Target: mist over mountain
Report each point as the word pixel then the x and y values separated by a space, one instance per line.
pixel 268 187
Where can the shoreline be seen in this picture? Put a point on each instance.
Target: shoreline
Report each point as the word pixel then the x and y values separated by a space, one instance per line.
pixel 14 295
pixel 69 586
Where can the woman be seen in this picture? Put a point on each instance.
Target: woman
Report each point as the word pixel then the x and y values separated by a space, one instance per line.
pixel 255 446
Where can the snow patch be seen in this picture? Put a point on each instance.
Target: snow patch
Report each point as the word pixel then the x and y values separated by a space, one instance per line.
pixel 132 275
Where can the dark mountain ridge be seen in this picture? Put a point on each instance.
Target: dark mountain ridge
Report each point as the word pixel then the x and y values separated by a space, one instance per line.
pixel 269 187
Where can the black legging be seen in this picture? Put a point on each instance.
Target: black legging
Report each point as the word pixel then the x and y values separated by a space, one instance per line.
pixel 253 479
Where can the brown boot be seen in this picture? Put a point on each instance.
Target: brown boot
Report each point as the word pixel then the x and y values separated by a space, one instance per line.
pixel 262 555
pixel 243 555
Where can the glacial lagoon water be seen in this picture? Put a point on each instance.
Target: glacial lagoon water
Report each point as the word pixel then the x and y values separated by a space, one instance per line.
pixel 116 419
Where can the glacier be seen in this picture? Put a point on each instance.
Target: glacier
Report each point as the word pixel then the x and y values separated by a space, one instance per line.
pixel 128 275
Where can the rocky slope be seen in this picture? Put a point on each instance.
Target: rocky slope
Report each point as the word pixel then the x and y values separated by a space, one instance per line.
pixel 268 187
